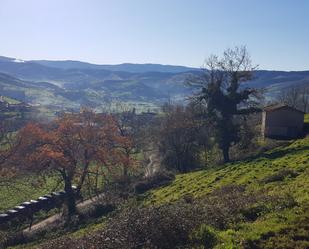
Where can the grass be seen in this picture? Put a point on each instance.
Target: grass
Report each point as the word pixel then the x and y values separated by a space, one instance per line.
pixel 25 189
pixel 32 187
pixel 280 171
pixel 306 118
pixel 250 172
pixel 253 173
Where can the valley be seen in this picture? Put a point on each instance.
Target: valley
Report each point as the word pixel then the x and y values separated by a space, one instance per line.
pixel 68 85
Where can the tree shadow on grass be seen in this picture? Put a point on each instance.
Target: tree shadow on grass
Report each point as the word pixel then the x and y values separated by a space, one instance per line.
pixel 280 153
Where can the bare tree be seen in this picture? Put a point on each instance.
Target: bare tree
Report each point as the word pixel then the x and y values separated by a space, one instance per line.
pixel 296 96
pixel 304 99
pixel 289 96
pixel 181 135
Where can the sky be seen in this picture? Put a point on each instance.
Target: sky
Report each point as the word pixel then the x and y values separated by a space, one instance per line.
pixel 177 32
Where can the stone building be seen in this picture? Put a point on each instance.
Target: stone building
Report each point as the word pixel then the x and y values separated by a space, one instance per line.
pixel 282 121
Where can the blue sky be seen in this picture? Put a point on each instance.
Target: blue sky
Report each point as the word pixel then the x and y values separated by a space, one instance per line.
pixel 179 32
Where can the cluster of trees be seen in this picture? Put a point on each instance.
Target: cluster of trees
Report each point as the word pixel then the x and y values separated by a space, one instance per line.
pixel 296 96
pixel 217 113
pixel 182 136
pixel 75 146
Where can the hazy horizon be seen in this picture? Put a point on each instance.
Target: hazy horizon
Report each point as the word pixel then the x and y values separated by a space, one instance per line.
pixel 149 63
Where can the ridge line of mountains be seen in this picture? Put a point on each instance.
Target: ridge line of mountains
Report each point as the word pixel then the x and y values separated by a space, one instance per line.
pixel 70 84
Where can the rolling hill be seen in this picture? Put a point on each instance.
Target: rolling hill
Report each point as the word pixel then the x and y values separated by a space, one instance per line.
pixel 124 67
pixel 70 84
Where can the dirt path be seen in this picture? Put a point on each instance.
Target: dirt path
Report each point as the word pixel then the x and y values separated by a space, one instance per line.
pixel 56 218
pixel 152 167
pixel 154 164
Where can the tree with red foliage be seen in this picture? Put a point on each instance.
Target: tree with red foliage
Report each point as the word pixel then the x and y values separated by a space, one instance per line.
pixel 72 146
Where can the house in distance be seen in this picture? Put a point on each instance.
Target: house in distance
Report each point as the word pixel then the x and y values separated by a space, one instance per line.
pixel 282 121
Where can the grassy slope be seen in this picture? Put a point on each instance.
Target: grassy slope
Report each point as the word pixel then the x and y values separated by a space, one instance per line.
pixel 23 190
pixel 251 173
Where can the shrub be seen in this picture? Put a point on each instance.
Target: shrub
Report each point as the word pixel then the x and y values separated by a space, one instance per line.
pixel 183 224
pixel 223 207
pixel 231 204
pixel 295 236
pixel 164 227
pixel 3 239
pixel 280 176
pixel 101 210
pixel 188 198
pixel 252 213
pixel 161 178
pixel 204 237
pixel 11 238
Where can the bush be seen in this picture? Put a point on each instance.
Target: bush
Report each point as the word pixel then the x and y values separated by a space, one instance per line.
pixel 165 227
pixel 3 239
pixel 183 224
pixel 223 206
pixel 252 213
pixel 231 204
pixel 295 236
pixel 11 238
pixel 280 176
pixel 204 237
pixel 161 178
pixel 102 210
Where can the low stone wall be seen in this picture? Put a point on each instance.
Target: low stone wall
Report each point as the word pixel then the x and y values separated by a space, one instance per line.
pixel 27 209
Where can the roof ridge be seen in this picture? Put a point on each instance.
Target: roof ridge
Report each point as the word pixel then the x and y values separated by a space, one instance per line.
pixel 280 106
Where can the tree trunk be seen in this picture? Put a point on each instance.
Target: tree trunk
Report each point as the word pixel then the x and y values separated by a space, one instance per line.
pixel 226 156
pixel 205 156
pixel 125 171
pixel 70 198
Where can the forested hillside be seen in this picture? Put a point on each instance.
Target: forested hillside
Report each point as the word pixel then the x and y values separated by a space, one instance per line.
pixel 64 85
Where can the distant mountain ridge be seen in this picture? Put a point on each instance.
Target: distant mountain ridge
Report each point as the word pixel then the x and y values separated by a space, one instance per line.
pixel 126 67
pixel 67 84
